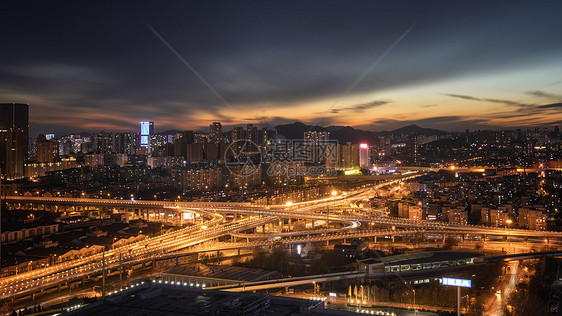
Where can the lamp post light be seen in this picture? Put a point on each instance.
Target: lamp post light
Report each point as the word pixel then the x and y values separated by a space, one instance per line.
pixel 334 193
pixel 508 222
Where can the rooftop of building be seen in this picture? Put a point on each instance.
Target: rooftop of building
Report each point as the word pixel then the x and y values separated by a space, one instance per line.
pixel 166 300
pixel 423 257
pixel 223 272
pixel 19 225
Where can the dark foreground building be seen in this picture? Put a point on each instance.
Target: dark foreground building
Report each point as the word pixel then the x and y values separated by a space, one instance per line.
pixel 177 299
pixel 14 138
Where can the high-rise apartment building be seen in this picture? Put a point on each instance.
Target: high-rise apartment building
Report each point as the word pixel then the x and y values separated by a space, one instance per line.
pixel 456 214
pixel 238 134
pixel 216 132
pixel 253 136
pixel 14 139
pixel 364 156
pixel 498 217
pixel 146 129
pixel 413 148
pixel 415 212
pixel 103 143
pixel 47 151
pixel 130 143
pixel 181 143
pixel 315 145
pixel 532 219
pixel 349 156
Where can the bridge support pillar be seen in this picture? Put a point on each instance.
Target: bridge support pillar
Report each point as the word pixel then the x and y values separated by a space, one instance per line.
pixel 238 251
pixel 375 239
pixel 392 238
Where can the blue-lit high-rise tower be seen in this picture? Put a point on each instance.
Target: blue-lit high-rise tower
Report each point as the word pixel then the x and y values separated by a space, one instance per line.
pixel 146 129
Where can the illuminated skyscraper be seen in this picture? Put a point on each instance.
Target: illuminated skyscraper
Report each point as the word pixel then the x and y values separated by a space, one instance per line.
pixel 315 145
pixel 349 154
pixel 146 129
pixel 364 156
pixel 14 134
pixel 216 132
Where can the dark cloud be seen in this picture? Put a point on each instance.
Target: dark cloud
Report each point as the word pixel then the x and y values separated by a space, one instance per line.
pixel 447 123
pixel 551 106
pixel 361 107
pixel 505 102
pixel 428 105
pixel 543 94
pixel 460 96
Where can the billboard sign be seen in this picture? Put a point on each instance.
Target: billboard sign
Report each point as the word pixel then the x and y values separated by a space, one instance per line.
pixel 456 282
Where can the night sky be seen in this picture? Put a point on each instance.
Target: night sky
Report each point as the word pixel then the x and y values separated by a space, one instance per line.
pixel 86 66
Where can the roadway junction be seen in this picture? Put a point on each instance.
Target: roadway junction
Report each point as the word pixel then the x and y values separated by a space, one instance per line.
pixel 336 218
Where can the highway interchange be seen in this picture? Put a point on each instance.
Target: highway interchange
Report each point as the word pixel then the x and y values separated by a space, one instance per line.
pixel 184 240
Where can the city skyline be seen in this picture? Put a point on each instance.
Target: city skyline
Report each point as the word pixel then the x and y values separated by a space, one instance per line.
pixel 438 65
pixel 327 157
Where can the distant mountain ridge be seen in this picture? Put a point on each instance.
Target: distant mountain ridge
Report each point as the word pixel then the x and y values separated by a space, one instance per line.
pixel 349 134
pixel 418 130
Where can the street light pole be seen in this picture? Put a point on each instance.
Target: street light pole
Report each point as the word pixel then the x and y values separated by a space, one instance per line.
pixel 334 193
pixel 103 275
pixel 120 272
pixel 415 309
pixel 458 300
